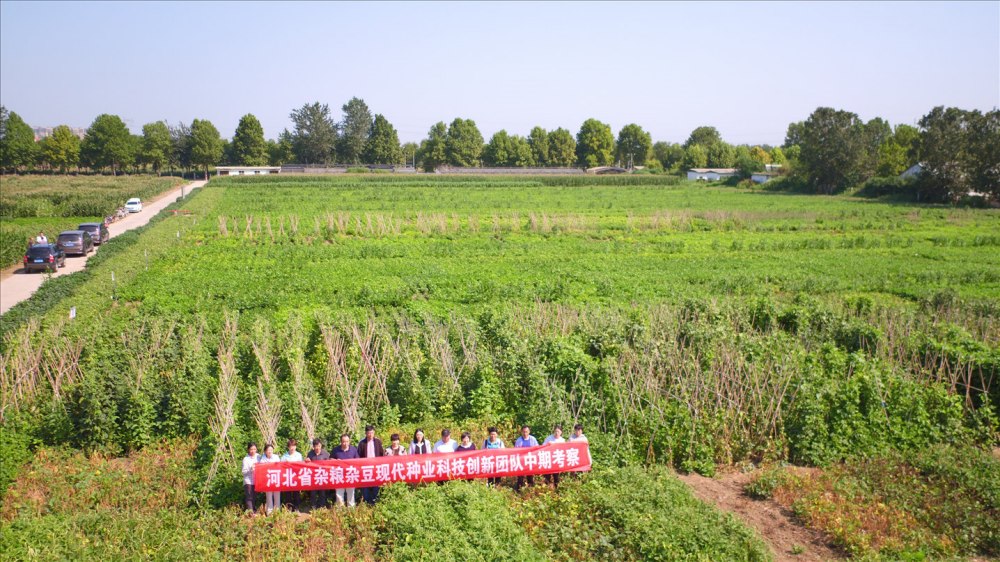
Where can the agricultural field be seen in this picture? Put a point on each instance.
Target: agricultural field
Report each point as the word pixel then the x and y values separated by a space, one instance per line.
pixel 687 326
pixel 29 204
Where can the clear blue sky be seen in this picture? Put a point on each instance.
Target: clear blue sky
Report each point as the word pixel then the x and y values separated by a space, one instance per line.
pixel 748 69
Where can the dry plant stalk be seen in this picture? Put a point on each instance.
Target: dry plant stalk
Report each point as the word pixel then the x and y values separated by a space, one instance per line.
pixel 223 418
pixel 309 406
pixel 267 414
pixel 20 368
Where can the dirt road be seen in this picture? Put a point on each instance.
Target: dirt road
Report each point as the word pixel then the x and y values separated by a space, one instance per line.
pixel 789 541
pixel 16 285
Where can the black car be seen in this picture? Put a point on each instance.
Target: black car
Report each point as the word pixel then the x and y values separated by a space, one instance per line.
pixel 98 231
pixel 76 242
pixel 42 257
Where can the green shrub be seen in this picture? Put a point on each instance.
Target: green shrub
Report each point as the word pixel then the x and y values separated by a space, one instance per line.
pixel 634 513
pixel 457 521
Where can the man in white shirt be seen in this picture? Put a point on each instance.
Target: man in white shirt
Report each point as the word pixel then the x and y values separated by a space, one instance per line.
pixel 552 480
pixel 446 444
pixel 578 434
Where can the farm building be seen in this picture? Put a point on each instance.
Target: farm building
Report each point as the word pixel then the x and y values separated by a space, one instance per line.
pixel 913 171
pixel 246 170
pixel 710 174
pixel 763 177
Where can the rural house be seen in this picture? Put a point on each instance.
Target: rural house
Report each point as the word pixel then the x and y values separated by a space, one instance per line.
pixel 710 174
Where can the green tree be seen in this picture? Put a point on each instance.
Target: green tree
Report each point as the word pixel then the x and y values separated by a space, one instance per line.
pixel 354 131
pixel 156 145
pixel 750 160
pixel 206 144
pixel 498 152
pixel 759 154
pixel 634 145
pixel 793 137
pixel 984 152
pixel 562 149
pixel 465 143
pixel 180 137
pixel 538 139
pixel 833 149
pixel 409 153
pixel 670 155
pixel 595 144
pixel 891 159
pixel 434 149
pixel 315 135
pixel 281 151
pixel 61 149
pixel 382 146
pixel 874 134
pixel 944 151
pixel 721 155
pixel 521 154
pixel 778 156
pixel 695 157
pixel 908 137
pixel 249 147
pixel 704 136
pixel 108 143
pixel 228 157
pixel 18 148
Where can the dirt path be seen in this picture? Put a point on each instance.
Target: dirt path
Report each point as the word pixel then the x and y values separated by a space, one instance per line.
pixel 772 522
pixel 16 285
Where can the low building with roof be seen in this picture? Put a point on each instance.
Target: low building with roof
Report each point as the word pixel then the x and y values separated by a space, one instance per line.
pixel 711 174
pixel 246 170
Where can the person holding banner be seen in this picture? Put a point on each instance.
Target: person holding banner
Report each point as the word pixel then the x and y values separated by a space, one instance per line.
pixel 345 452
pixel 272 499
pixel 419 445
pixel 292 455
pixel 446 444
pixel 466 444
pixel 395 449
pixel 553 479
pixel 493 442
pixel 578 434
pixel 525 440
pixel 249 496
pixel 370 447
pixel 318 454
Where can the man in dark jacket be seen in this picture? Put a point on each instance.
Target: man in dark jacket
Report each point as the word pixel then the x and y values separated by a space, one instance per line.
pixel 318 454
pixel 370 447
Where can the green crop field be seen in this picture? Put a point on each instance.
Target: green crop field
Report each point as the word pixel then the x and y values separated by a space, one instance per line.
pixel 685 325
pixel 29 204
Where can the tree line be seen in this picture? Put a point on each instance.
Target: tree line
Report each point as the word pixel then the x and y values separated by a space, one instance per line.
pixel 831 151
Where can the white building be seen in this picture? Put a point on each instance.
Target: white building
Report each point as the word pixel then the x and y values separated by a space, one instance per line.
pixel 246 170
pixel 913 171
pixel 762 177
pixel 710 174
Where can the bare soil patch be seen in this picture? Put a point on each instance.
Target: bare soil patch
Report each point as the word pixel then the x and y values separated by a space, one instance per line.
pixel 772 522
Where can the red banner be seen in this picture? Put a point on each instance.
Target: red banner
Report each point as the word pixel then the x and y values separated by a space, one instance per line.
pixel 378 471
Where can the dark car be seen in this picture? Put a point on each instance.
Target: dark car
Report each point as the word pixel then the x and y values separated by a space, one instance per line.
pixel 42 257
pixel 98 231
pixel 76 242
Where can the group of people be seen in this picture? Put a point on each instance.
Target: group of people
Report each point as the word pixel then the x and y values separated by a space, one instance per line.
pixel 371 446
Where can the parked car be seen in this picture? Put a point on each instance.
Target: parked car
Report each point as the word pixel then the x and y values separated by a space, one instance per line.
pixel 133 205
pixel 98 231
pixel 76 242
pixel 41 257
